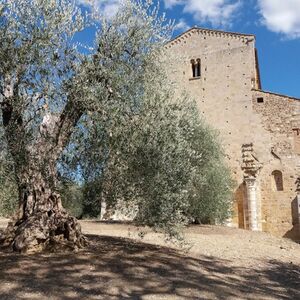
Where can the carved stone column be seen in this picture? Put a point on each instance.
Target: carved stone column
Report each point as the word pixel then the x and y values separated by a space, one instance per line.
pixel 251 167
pixel 251 188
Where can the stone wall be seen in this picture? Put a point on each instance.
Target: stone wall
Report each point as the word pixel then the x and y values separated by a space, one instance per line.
pixel 280 116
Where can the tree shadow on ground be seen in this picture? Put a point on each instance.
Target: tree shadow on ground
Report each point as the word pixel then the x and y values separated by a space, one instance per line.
pixel 119 268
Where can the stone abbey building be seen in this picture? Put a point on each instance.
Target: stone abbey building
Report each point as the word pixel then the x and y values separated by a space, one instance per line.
pixel 260 130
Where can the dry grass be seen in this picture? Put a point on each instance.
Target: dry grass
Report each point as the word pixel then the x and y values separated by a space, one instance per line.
pixel 222 263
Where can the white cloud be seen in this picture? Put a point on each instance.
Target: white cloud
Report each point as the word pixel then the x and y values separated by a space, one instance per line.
pixel 171 3
pixel 217 12
pixel 107 8
pixel 181 25
pixel 281 16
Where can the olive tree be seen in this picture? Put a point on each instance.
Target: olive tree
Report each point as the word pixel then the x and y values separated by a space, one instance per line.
pixel 160 158
pixel 47 86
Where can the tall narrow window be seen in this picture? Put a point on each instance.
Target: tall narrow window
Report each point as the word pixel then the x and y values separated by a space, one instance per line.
pixel 196 67
pixel 193 67
pixel 277 180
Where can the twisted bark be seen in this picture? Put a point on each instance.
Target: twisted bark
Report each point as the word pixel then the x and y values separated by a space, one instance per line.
pixel 40 222
pixel 46 227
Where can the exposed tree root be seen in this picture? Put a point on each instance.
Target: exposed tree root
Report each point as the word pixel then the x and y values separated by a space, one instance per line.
pixel 44 231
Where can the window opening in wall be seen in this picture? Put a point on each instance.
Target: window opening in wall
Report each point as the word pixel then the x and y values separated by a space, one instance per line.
pixel 296 131
pixel 296 134
pixel 196 67
pixel 260 100
pixel 277 180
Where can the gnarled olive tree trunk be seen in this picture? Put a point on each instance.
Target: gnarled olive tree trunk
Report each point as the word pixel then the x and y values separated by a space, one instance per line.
pixel 40 222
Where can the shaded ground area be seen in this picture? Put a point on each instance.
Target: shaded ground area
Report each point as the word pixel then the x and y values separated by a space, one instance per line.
pixel 115 267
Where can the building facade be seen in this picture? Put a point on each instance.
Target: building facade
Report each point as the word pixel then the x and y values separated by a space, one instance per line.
pixel 260 130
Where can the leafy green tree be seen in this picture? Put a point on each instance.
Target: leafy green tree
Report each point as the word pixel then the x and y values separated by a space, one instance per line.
pixel 47 87
pixel 112 107
pixel 162 158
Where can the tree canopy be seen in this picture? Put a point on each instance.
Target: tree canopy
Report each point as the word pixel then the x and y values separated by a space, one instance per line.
pixel 112 106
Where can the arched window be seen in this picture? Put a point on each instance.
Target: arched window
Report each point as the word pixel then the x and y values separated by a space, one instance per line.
pixel 277 180
pixel 196 67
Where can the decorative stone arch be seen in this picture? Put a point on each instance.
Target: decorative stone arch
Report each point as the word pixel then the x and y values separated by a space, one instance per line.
pixel 277 181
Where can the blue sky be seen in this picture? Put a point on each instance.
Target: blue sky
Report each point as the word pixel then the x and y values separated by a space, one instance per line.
pixel 276 24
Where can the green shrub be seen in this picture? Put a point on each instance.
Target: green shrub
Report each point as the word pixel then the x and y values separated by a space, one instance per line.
pixel 8 190
pixel 91 203
pixel 211 195
pixel 72 198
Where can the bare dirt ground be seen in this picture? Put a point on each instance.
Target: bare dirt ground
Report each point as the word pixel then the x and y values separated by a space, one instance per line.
pixel 222 263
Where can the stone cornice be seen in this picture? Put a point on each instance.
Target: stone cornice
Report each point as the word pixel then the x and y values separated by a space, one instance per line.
pixel 276 94
pixel 246 38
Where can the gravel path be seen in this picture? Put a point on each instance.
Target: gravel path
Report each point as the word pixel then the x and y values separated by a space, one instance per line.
pixel 221 263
